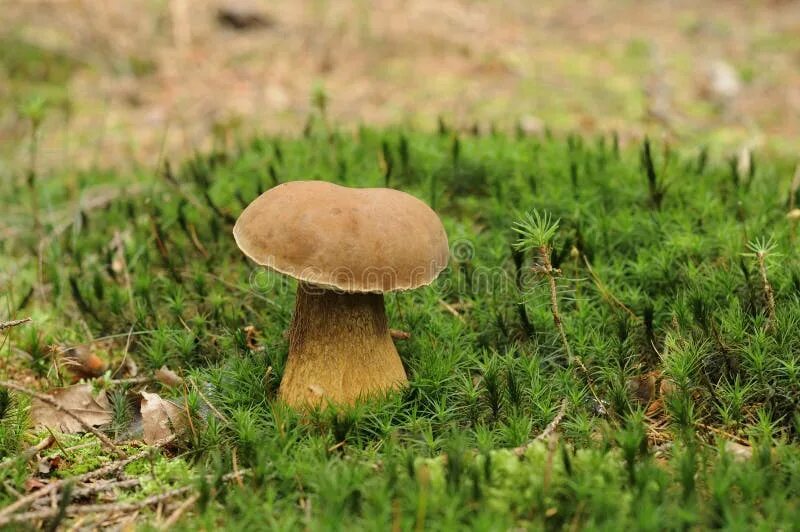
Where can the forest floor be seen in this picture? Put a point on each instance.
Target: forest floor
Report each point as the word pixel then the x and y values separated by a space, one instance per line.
pixel 130 82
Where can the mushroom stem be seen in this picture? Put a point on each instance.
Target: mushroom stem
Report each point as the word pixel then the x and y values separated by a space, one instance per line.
pixel 340 349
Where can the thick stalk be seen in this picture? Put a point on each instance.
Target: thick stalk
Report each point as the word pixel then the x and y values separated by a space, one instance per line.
pixel 340 349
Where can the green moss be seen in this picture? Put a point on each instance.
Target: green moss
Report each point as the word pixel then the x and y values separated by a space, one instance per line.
pixel 673 291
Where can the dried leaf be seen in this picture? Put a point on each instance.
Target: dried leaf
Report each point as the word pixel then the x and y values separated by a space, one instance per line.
pixel 79 399
pixel 167 377
pixel 160 418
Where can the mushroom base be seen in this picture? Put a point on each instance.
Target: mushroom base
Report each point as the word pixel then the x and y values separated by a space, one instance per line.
pixel 340 349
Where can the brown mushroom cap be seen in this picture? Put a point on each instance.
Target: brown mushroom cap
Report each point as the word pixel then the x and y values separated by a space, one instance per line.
pixel 351 239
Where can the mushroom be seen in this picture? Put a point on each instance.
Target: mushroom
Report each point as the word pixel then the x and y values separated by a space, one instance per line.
pixel 346 247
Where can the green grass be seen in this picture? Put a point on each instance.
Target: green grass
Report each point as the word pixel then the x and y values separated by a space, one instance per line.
pixel 674 238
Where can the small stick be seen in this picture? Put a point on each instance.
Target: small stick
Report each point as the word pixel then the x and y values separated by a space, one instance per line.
pixel 101 486
pixel 52 402
pixel 451 309
pixel 58 443
pixel 131 380
pixel 196 241
pixel 209 405
pixel 13 323
pixel 185 505
pixel 97 473
pixel 548 430
pixel 105 508
pixel 29 453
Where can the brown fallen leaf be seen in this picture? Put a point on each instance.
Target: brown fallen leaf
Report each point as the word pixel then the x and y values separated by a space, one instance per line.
pixel 160 418
pixel 80 400
pixel 167 377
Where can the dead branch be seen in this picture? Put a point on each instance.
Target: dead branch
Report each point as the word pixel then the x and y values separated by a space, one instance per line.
pixel 13 323
pixel 97 473
pixel 75 510
pixel 185 505
pixel 97 488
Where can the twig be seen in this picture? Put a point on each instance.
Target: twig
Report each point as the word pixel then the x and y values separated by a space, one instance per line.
pixel 13 323
pixel 130 380
pixel 97 473
pixel 109 337
pixel 209 405
pixel 547 432
pixel 734 437
pixel 78 447
pixel 52 402
pixel 451 309
pixel 105 486
pixel 105 508
pixel 58 443
pixel 185 505
pixel 196 241
pixel 29 453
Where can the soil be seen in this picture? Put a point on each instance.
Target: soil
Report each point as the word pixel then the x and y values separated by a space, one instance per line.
pixel 155 78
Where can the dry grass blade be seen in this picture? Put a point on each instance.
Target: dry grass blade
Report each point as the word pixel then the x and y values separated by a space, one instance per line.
pixel 13 323
pixel 52 402
pixel 548 430
pixel 606 293
pixel 179 511
pixel 451 309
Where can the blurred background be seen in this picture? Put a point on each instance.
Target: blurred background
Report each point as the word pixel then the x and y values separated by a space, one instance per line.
pixel 129 82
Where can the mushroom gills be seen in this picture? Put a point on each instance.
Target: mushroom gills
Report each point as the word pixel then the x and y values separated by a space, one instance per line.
pixel 340 349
